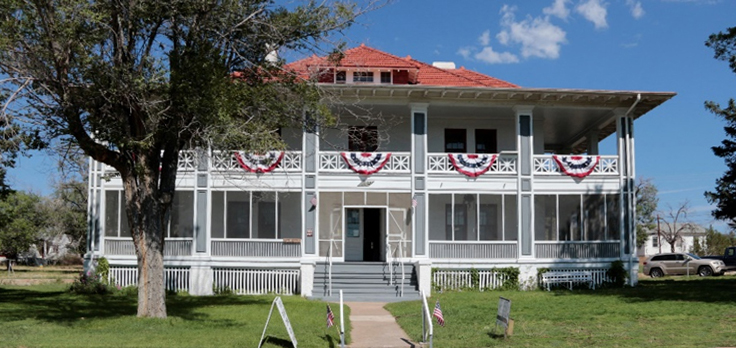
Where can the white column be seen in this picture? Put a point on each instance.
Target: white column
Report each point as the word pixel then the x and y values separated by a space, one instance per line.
pixel 306 283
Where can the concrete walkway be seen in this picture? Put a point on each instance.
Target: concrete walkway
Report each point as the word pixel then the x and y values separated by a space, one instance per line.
pixel 374 326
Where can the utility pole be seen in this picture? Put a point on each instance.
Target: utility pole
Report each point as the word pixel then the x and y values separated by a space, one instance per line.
pixel 659 235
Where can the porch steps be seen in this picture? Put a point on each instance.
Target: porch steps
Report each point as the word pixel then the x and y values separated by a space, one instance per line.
pixel 365 282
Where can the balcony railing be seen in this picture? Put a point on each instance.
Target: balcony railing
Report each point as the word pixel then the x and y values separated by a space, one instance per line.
pixel 577 250
pixel 124 246
pixel 255 248
pixel 439 163
pixel 472 250
pixel 546 165
pixel 398 162
pixel 224 161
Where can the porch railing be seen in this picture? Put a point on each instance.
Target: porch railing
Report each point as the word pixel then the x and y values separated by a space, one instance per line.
pixel 439 163
pixel 224 161
pixel 398 162
pixel 255 248
pixel 546 165
pixel 577 250
pixel 472 250
pixel 124 246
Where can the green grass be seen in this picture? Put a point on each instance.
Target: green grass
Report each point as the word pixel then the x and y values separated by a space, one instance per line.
pixel 669 312
pixel 48 316
pixel 47 273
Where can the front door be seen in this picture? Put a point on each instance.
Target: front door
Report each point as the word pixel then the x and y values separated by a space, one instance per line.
pixel 364 234
pixel 372 228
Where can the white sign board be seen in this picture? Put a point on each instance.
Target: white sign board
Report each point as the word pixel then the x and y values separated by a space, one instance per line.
pixel 504 308
pixel 284 318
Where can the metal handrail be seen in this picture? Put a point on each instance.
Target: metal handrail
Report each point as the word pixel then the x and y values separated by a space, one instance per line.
pixel 426 320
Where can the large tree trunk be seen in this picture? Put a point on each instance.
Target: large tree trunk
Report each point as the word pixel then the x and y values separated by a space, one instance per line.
pixel 147 211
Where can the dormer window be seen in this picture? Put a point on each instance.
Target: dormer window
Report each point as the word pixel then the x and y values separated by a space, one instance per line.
pixel 363 76
pixel 340 77
pixel 385 77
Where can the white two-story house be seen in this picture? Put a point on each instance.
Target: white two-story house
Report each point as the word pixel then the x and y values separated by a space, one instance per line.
pixel 430 167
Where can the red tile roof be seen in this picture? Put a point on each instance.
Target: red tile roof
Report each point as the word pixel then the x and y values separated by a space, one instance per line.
pixel 421 73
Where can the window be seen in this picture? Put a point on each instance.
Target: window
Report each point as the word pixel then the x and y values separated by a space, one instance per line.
pixel 257 214
pixel 363 139
pixel 182 215
pixel 485 141
pixel 340 77
pixel 455 140
pixel 655 241
pixel 472 217
pixel 385 77
pixel 363 76
pixel 584 217
pixel 545 217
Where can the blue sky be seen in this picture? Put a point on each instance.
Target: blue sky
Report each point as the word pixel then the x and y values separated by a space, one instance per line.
pixel 643 45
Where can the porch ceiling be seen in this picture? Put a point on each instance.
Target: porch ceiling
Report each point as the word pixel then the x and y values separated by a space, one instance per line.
pixel 569 115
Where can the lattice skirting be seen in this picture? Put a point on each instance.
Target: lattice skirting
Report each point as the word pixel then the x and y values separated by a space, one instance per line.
pixel 175 278
pixel 463 279
pixel 254 281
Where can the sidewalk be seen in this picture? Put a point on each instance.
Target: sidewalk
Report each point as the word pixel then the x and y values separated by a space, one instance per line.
pixel 374 326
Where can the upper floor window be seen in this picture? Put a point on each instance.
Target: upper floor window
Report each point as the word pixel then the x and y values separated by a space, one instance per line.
pixel 485 141
pixel 340 77
pixel 385 77
pixel 455 140
pixel 655 241
pixel 363 139
pixel 363 76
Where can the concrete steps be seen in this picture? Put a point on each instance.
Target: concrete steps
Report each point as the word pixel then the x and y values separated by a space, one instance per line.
pixel 365 282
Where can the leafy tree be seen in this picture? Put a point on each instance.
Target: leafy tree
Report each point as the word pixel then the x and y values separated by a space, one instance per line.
pixel 20 222
pixel 134 82
pixel 714 243
pixel 724 195
pixel 646 205
pixel 674 224
pixel 67 206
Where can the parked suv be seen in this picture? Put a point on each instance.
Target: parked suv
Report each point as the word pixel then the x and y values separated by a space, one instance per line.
pixel 680 263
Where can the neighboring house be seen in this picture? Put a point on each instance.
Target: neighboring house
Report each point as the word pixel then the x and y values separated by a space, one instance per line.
pixel 657 244
pixel 453 170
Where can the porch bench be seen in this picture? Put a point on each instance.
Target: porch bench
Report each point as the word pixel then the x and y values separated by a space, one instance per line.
pixel 562 277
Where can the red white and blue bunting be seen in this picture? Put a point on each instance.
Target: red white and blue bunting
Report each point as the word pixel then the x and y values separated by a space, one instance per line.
pixel 472 165
pixel 255 163
pixel 366 163
pixel 577 166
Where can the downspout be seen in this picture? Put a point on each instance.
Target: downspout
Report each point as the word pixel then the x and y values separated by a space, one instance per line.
pixel 632 199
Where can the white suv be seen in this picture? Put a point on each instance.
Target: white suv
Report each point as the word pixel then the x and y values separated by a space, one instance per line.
pixel 680 263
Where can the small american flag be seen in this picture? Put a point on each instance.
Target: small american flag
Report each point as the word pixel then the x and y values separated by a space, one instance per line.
pixel 330 317
pixel 438 314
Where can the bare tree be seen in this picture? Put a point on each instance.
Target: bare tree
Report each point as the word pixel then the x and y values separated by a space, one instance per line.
pixel 674 224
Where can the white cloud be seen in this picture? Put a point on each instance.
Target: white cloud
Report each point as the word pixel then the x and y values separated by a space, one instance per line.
pixel 594 11
pixel 558 9
pixel 485 38
pixel 465 52
pixel 490 56
pixel 537 36
pixel 636 10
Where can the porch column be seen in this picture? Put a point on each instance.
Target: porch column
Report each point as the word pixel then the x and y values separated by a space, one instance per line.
pixel 201 232
pixel 593 139
pixel 311 153
pixel 419 177
pixel 525 175
pixel 93 211
pixel 627 175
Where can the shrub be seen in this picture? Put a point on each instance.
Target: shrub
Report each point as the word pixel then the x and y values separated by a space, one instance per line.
pixel 617 274
pixel 90 283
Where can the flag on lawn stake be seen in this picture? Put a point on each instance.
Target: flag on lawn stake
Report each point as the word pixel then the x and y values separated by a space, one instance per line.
pixel 438 314
pixel 330 317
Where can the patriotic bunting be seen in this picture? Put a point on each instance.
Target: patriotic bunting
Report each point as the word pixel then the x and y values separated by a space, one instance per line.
pixel 259 163
pixel 577 166
pixel 472 165
pixel 366 163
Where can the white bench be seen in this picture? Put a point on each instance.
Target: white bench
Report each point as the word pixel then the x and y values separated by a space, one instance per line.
pixel 562 277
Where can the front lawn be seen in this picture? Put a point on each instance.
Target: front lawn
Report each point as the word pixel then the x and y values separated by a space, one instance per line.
pixel 48 316
pixel 669 312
